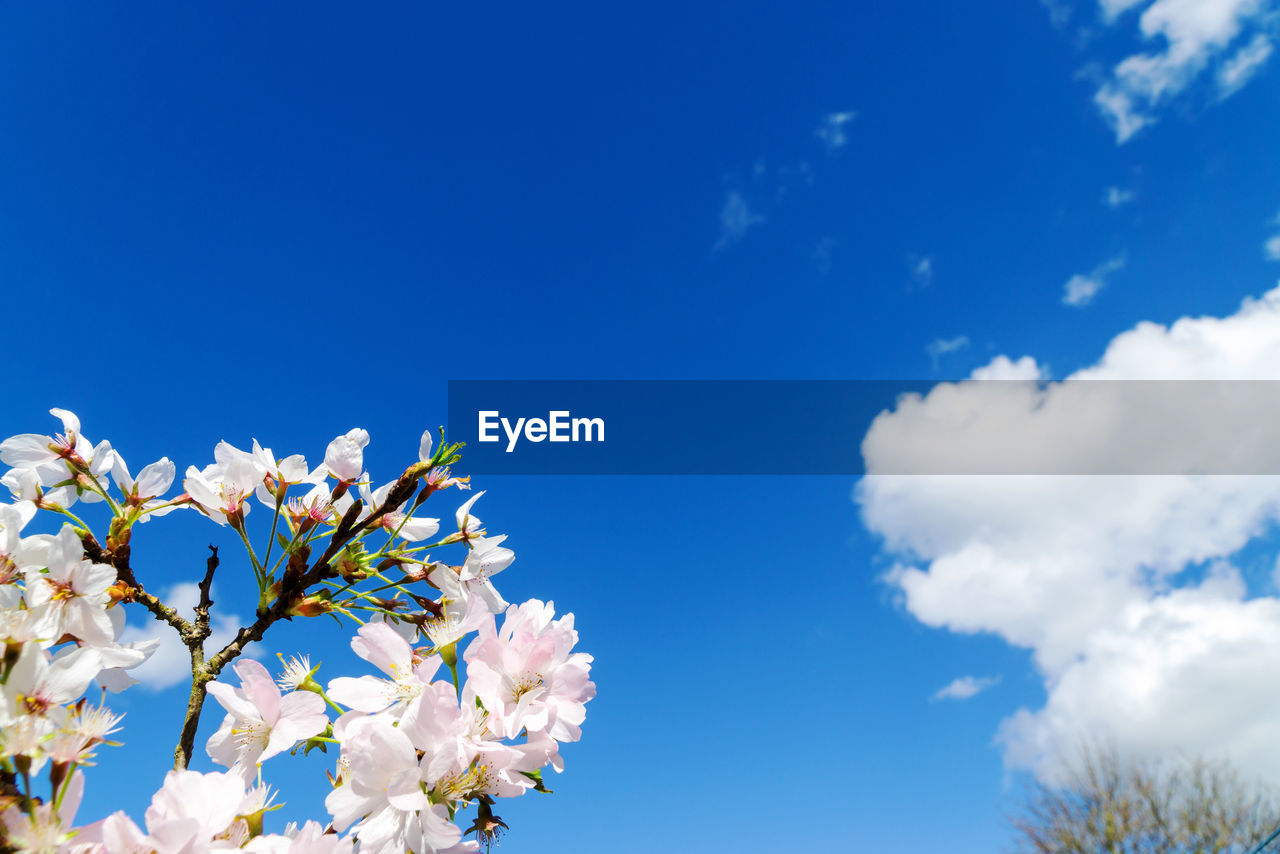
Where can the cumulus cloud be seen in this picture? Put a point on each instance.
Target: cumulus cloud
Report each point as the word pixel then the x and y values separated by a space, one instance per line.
pixel 832 129
pixel 1081 288
pixel 736 219
pixel 965 687
pixel 171 662
pixel 1190 36
pixel 1121 587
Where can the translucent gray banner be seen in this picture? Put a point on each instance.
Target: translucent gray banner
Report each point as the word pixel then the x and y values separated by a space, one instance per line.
pixel 1006 427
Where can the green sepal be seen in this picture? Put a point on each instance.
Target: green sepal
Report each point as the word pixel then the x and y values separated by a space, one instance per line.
pixel 536 777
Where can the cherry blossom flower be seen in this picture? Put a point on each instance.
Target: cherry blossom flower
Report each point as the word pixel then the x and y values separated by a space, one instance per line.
pixel 67 461
pixel 526 676
pixel 29 450
pixel 382 793
pixel 27 485
pixel 463 607
pixel 441 478
pixel 220 489
pixel 381 646
pixel 344 458
pixel 297 672
pixel 308 511
pixel 85 728
pixel 396 521
pixel 260 722
pixel 192 809
pixel 486 558
pixel 118 658
pixel 116 834
pixel 275 475
pixel 469 527
pixel 38 685
pixel 309 839
pixel 153 481
pixel 461 757
pixel 49 826
pixel 17 553
pixel 71 598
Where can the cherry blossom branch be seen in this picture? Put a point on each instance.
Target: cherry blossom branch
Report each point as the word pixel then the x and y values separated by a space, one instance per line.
pixel 195 702
pixel 118 558
pixel 202 609
pixel 294 586
pixel 199 678
pixel 192 634
pixel 57 592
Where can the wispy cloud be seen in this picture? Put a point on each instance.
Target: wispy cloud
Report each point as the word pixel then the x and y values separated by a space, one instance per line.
pixel 1081 288
pixel 1271 247
pixel 940 347
pixel 920 268
pixel 832 129
pixel 1240 68
pixel 1116 196
pixel 1059 12
pixel 965 688
pixel 736 219
pixel 1195 36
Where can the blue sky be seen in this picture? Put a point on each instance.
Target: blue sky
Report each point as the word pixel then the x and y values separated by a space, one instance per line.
pixel 238 222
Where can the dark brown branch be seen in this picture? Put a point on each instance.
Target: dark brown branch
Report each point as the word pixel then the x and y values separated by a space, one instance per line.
pixel 194 639
pixel 119 559
pixel 195 702
pixel 202 609
pixel 192 634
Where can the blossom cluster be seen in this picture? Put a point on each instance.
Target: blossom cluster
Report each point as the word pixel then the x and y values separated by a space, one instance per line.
pixel 459 711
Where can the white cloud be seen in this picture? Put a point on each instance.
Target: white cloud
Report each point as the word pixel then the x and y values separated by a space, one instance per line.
pixel 1112 9
pixel 940 347
pixel 921 270
pixel 1004 368
pixel 1120 586
pixel 832 129
pixel 1272 248
pixel 1059 12
pixel 965 687
pixel 1240 68
pixel 1193 35
pixel 1081 288
pixel 736 219
pixel 171 662
pixel 1116 197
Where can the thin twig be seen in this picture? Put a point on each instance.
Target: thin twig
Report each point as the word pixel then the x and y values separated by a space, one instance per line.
pixel 202 609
